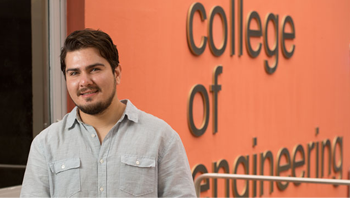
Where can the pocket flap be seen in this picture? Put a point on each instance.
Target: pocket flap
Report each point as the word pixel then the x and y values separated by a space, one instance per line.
pixel 63 165
pixel 138 161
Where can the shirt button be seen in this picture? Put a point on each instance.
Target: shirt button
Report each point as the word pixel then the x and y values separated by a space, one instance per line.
pixel 137 162
pixel 63 166
pixel 93 135
pixel 101 161
pixel 101 189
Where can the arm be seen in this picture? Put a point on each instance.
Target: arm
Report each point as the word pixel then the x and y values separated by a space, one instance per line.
pixel 174 174
pixel 36 177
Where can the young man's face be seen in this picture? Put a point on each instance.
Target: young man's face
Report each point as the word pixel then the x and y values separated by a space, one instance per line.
pixel 90 81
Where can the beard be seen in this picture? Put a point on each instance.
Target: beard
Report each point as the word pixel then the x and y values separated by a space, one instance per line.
pixel 97 108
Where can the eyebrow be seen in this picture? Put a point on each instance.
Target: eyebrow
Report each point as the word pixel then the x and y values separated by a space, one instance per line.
pixel 87 67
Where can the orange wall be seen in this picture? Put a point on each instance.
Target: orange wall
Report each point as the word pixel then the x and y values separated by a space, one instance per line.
pixel 309 90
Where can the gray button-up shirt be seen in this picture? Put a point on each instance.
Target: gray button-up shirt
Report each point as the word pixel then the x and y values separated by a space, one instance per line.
pixel 140 156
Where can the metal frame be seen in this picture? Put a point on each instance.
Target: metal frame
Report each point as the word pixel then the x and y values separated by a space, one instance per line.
pixel 40 66
pixel 57 35
pixel 197 183
pixel 12 166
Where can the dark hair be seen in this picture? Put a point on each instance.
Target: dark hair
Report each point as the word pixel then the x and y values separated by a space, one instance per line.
pixel 86 38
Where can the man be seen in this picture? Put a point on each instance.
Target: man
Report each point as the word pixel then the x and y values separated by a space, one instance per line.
pixel 104 147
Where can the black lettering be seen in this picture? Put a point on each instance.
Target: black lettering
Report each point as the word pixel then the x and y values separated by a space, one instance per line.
pixel 326 144
pixel 217 10
pixel 216 167
pixel 240 19
pixel 232 27
pixel 254 173
pixel 310 147
pixel 281 168
pixel 215 88
pixel 263 156
pixel 189 27
pixel 269 52
pixel 194 130
pixel 245 162
pixel 200 168
pixel 338 165
pixel 253 33
pixel 299 163
pixel 290 36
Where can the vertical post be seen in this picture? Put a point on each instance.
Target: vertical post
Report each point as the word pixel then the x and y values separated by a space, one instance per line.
pixel 57 35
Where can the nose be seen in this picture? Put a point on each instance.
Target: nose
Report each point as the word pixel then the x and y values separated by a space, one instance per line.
pixel 85 80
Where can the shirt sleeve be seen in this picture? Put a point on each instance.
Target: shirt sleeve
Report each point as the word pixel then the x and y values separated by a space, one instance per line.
pixel 174 174
pixel 36 177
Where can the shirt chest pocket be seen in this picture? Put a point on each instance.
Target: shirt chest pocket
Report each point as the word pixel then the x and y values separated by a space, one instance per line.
pixel 65 180
pixel 137 175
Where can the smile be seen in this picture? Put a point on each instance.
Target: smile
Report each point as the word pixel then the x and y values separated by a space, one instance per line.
pixel 89 93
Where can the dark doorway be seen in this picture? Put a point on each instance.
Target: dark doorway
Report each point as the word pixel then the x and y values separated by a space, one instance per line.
pixel 16 115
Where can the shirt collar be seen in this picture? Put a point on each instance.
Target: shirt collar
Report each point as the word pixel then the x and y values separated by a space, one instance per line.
pixel 131 113
pixel 72 118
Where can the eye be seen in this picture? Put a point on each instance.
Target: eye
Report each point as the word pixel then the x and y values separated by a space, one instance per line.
pixel 73 73
pixel 95 69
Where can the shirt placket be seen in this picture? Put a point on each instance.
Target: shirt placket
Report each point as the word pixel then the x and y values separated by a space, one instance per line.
pixel 102 167
pixel 101 160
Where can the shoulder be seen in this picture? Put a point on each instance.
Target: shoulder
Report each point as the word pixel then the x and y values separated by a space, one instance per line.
pixel 149 120
pixel 153 134
pixel 158 129
pixel 157 125
pixel 153 130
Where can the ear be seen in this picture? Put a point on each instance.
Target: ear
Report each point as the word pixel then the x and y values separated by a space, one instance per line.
pixel 118 73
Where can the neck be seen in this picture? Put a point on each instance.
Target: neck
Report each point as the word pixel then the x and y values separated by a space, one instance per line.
pixel 106 119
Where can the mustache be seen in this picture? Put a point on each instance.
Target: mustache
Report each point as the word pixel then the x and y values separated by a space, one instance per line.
pixel 86 89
